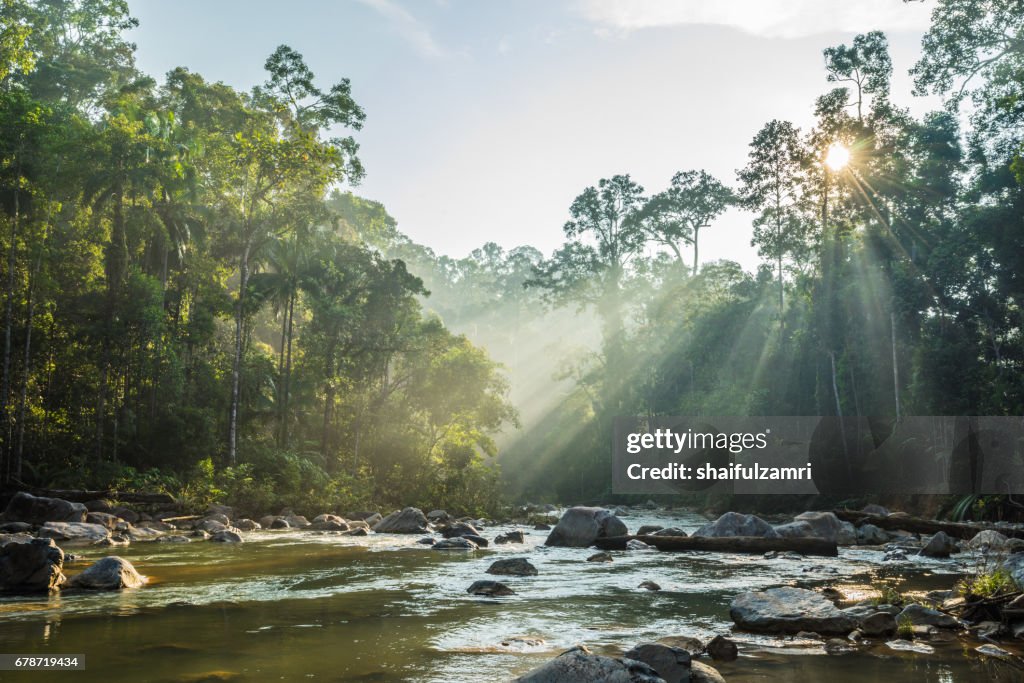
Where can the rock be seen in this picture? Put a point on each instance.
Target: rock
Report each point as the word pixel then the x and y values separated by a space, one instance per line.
pixel 648 529
pixel 649 585
pixel 636 544
pixel 490 589
pixel 174 538
pixel 736 524
pixel 789 610
pixel 427 540
pixel 993 651
pixel 581 526
pixel 480 541
pixel 819 525
pixel 328 518
pixel 225 536
pixel 200 534
pixel 722 649
pixel 211 525
pixel 919 615
pixel 104 518
pixel 156 526
pixel 328 525
pixel 989 538
pixel 694 646
pixel 15 527
pixel 35 566
pixel 670 531
pixel 459 529
pixel 877 624
pixel 455 544
pixel 515 566
pixel 437 515
pixel 280 523
pixel 140 533
pixel 542 527
pixel 218 509
pixel 671 663
pixel 74 532
pixel 296 521
pixel 109 573
pixel 267 521
pixel 895 555
pixel 872 509
pixel 408 521
pixel 510 537
pixel 358 531
pixel 216 517
pixel 703 673
pixel 839 646
pixel 909 646
pixel 579 665
pixel 99 505
pixel 24 507
pixel 869 534
pixel 127 514
pixel 600 557
pixel 246 524
pixel 940 545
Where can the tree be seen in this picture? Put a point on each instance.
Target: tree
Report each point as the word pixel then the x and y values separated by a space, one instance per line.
pixel 865 64
pixel 692 200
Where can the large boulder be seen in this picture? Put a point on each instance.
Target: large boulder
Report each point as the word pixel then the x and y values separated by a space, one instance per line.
pixel 940 545
pixel 407 521
pixel 579 665
pixel 869 534
pixel 789 610
pixel 989 538
pixel 31 567
pixel 24 507
pixel 105 518
pixel 819 525
pixel 919 615
pixel 457 543
pixel 75 532
pixel 1014 565
pixel 226 536
pixel 703 673
pixel 515 536
pixel 491 589
pixel 579 527
pixel 109 573
pixel 736 524
pixel 459 529
pixel 514 566
pixel 672 663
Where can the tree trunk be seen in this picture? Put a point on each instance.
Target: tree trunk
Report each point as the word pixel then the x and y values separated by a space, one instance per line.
pixel 895 367
pixel 918 525
pixel 27 366
pixel 696 253
pixel 5 385
pixel 236 365
pixel 288 371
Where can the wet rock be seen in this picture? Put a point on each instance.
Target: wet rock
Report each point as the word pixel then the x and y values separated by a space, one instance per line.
pixel 200 534
pixel 649 585
pixel 869 534
pixel 989 538
pixel 868 607
pixel 127 514
pixel 173 538
pixel 671 663
pixel 35 566
pixel 15 528
pixel 459 543
pixel 542 527
pixel 24 507
pixel 523 642
pixel 648 529
pixel 694 646
pixel 217 517
pixel 74 532
pixel 581 526
pixel 99 505
pixel 328 525
pixel 873 509
pixel 579 665
pixel 246 524
pixel 225 536
pixel 819 525
pixel 408 521
pixel 211 525
pixel 326 517
pixel 459 529
pixel 156 525
pixel 895 555
pixel 437 515
pixel 722 649
pixel 636 544
pixel 670 531
pixel 139 533
pixel 877 624
pixel 109 573
pixel 838 646
pixel 600 557
pixel 940 545
pixel 919 615
pixel 266 521
pixel 480 541
pixel 358 531
pixel 296 521
pixel 280 523
pixel 103 518
pixel 789 610
pixel 704 673
pixel 489 589
pixel 510 537
pixel 515 566
pixel 993 651
pixel 736 524
pixel 427 540
pixel 910 646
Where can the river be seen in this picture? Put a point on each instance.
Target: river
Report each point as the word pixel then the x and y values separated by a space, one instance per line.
pixel 299 605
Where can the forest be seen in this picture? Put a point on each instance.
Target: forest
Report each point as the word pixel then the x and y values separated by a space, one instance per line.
pixel 197 300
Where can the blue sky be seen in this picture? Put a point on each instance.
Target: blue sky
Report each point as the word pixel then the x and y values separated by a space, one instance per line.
pixel 486 119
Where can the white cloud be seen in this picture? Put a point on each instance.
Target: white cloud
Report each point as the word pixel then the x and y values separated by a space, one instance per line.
pixel 766 18
pixel 407 26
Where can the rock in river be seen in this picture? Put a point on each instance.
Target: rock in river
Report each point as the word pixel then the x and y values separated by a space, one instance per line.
pixel 600 557
pixel 31 567
pixel 819 525
pixel 919 615
pixel 407 521
pixel 722 649
pixel 515 566
pixel 736 524
pixel 109 573
pixel 459 529
pixel 510 537
pixel 225 536
pixel 490 589
pixel 789 610
pixel 454 544
pixel 24 507
pixel 74 532
pixel 940 545
pixel 581 526
pixel 579 665
pixel 671 663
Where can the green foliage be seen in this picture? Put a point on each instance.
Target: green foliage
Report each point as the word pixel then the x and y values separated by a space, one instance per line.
pixel 989 583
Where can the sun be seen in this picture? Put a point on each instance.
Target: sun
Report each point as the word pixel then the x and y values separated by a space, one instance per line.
pixel 837 156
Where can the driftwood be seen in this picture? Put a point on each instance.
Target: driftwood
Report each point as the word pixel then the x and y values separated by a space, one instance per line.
pixel 918 525
pixel 727 544
pixel 83 496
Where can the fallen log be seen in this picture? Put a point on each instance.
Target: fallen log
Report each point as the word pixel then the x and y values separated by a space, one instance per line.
pixel 84 496
pixel 727 544
pixel 918 525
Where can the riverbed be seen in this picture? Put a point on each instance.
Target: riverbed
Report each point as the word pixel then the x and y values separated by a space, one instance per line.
pixel 300 605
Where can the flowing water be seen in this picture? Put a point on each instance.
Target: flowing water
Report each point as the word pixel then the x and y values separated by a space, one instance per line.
pixel 294 605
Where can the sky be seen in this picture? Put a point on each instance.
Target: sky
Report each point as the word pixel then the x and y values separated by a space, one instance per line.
pixel 486 119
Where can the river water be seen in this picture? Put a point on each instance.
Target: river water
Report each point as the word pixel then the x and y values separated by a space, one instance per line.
pixel 295 605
